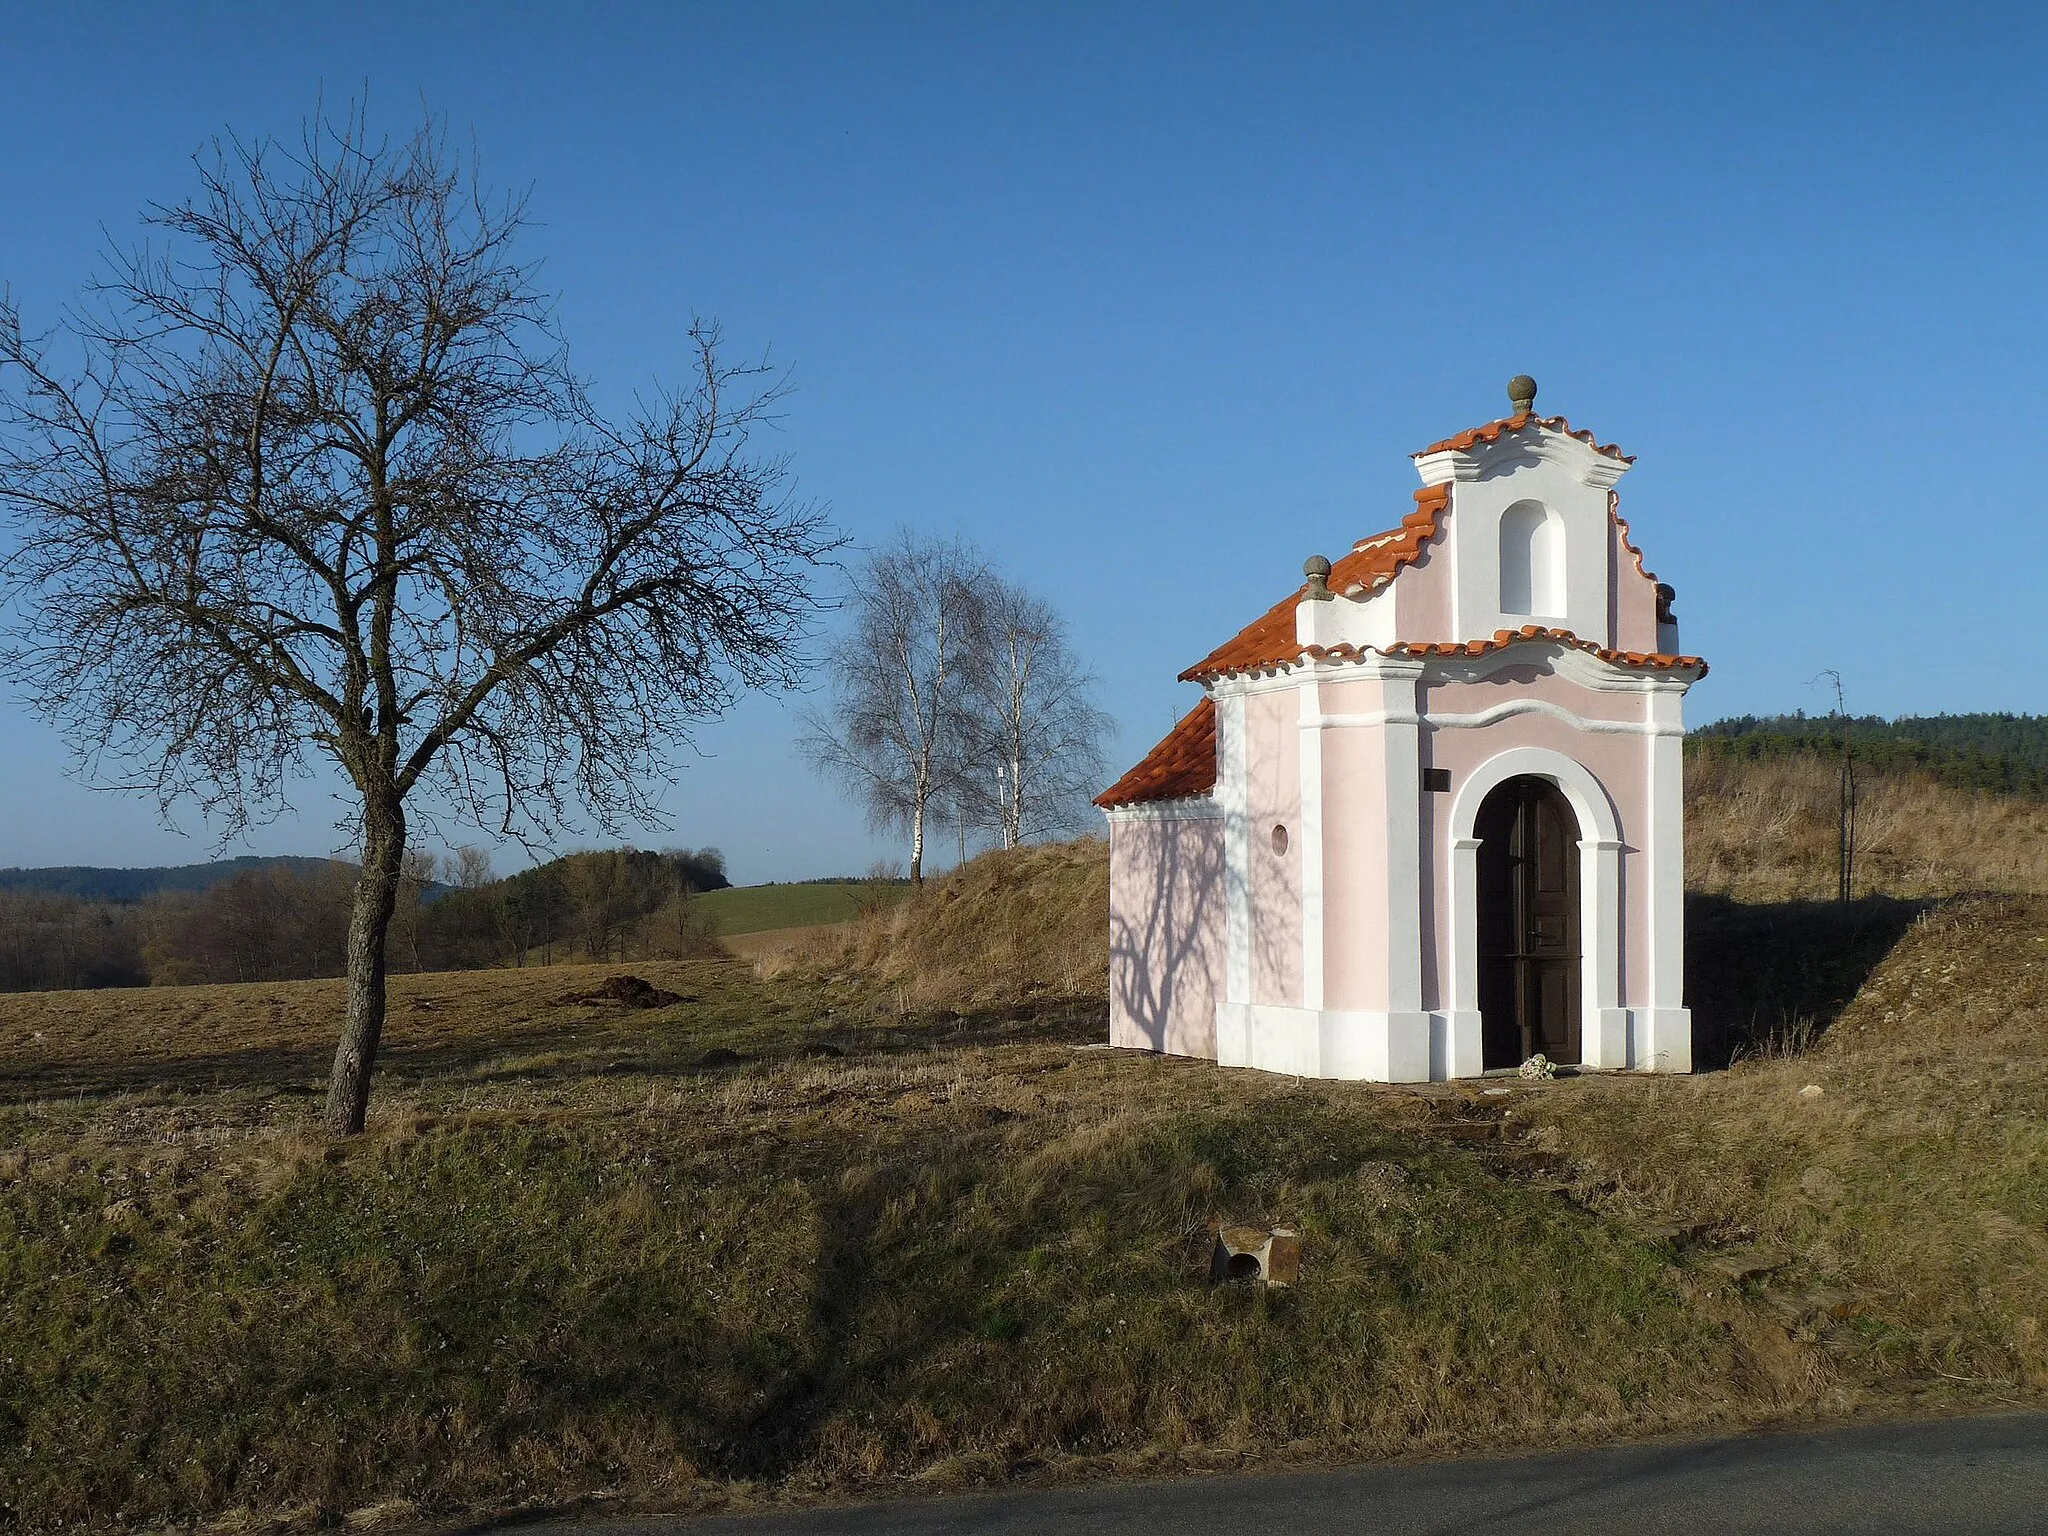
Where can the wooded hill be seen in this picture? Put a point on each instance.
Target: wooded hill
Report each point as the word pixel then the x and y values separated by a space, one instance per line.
pixel 285 919
pixel 88 882
pixel 2002 753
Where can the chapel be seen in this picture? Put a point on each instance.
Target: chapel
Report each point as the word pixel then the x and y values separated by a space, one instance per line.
pixel 1427 821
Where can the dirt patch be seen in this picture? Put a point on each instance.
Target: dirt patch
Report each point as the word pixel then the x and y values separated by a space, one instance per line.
pixel 628 991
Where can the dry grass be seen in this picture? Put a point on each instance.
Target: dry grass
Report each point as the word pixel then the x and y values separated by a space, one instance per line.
pixel 890 1215
pixel 1767 832
pixel 776 1241
pixel 1031 922
pixel 1907 1198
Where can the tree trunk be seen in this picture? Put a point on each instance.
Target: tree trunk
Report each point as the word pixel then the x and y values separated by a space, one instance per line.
pixel 369 926
pixel 917 845
pixel 1013 802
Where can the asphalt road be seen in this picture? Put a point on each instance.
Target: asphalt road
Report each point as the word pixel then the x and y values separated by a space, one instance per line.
pixel 1949 1476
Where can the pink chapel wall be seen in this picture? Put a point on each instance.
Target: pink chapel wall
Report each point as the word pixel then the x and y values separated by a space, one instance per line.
pixel 1354 849
pixel 1425 592
pixel 1632 598
pixel 1619 762
pixel 1166 936
pixel 1273 799
pixel 1355 822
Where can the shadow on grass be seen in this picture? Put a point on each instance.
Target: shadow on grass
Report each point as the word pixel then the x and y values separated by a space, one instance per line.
pixel 1768 978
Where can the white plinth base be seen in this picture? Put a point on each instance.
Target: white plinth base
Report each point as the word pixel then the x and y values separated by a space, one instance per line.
pixel 1663 1039
pixel 1360 1045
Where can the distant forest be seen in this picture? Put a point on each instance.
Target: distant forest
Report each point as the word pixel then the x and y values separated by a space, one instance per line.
pixel 2001 754
pixel 286 919
pixel 92 883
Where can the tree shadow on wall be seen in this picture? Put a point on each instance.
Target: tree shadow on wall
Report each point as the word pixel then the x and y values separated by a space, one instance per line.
pixel 1170 951
pixel 1768 978
pixel 1172 944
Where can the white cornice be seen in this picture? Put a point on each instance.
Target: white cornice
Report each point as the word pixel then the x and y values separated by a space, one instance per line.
pixel 1531 443
pixel 1567 661
pixel 1187 808
pixel 1591 724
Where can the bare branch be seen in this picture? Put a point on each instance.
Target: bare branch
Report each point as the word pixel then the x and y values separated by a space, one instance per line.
pixel 315 476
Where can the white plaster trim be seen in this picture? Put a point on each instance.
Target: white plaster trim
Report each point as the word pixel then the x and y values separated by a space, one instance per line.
pixel 1310 752
pixel 1245 684
pixel 1569 662
pixel 1402 744
pixel 1233 1034
pixel 1186 808
pixel 1534 441
pixel 1603 1022
pixel 1464 1050
pixel 1666 1035
pixel 1663 1039
pixel 1591 724
pixel 1600 912
pixel 1357 1045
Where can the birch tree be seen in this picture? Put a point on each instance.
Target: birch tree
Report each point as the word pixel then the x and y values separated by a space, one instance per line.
pixel 310 477
pixel 1036 734
pixel 896 735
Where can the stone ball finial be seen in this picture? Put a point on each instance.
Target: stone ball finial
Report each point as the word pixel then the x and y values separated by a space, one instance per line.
pixel 1522 394
pixel 1317 569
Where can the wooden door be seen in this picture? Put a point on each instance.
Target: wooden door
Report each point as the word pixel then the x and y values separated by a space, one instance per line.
pixel 1528 924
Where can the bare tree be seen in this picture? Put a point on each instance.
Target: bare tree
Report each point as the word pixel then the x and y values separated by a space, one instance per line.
pixel 415 874
pixel 314 476
pixel 1036 733
pixel 466 868
pixel 895 735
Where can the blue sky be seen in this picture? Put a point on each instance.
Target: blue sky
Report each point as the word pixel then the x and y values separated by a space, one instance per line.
pixel 1152 302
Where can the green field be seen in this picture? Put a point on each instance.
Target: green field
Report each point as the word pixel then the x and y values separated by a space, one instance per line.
pixel 761 908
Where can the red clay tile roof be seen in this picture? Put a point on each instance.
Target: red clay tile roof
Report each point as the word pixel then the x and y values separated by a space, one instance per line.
pixel 1493 430
pixel 1183 764
pixel 1269 639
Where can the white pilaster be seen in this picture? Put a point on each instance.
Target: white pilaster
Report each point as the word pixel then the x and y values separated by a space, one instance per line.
pixel 1603 1022
pixel 1408 1026
pixel 1311 830
pixel 1663 1024
pixel 1464 1052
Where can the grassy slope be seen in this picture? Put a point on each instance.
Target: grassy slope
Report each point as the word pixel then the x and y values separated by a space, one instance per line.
pixel 1004 927
pixel 763 908
pixel 586 1249
pixel 1906 1198
pixel 1766 832
pixel 823 1231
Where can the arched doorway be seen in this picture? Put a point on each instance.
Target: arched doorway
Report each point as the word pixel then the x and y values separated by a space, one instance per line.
pixel 1528 923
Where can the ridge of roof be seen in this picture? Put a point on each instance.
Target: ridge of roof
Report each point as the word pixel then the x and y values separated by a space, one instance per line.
pixel 1183 764
pixel 1493 431
pixel 1371 564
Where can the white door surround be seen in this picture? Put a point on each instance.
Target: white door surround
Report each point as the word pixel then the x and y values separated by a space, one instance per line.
pixel 1604 1032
